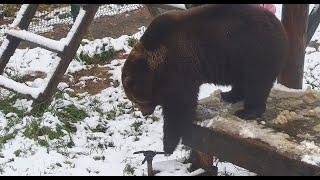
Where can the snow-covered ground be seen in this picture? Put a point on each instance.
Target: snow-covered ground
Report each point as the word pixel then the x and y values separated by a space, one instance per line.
pixel 84 134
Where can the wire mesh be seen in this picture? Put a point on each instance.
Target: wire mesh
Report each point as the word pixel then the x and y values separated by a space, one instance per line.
pixel 49 16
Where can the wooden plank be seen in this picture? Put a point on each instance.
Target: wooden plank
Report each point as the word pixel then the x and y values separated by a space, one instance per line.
pixel 313 22
pixel 247 153
pixel 14 42
pixel 295 21
pixel 67 55
pixel 284 141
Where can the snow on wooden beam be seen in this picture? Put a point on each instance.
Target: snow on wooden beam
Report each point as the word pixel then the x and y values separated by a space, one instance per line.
pixel 169 6
pixel 73 41
pixel 24 16
pixel 178 6
pixel 44 42
pixel 19 16
pixel 75 26
pixel 18 87
pixel 3 46
pixel 285 141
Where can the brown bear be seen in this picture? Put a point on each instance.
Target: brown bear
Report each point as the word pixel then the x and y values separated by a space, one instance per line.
pixel 244 46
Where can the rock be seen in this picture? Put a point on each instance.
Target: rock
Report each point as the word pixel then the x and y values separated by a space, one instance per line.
pixel 314 112
pixel 317 128
pixel 286 116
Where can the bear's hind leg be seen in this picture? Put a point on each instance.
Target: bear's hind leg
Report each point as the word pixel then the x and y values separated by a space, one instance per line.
pixel 255 98
pixel 234 95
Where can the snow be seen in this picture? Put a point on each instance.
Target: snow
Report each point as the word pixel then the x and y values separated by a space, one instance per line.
pixel 4 45
pixel 23 89
pixel 43 41
pixel 23 104
pixel 281 87
pixel 228 169
pixel 116 9
pixel 207 89
pixel 314 160
pixel 74 27
pixel 19 15
pixel 62 86
pixel 173 167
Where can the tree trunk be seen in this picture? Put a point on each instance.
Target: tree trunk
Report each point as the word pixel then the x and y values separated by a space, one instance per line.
pixel 295 21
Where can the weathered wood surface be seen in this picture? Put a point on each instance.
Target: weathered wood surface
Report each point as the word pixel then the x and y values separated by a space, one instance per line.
pixel 67 55
pixel 295 20
pixel 14 42
pixel 282 142
pixel 313 22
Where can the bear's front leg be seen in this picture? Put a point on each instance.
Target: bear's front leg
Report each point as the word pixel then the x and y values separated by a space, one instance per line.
pixel 234 95
pixel 179 112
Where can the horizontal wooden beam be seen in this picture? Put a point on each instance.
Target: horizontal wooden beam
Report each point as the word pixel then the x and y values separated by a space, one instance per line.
pixel 250 154
pixel 166 6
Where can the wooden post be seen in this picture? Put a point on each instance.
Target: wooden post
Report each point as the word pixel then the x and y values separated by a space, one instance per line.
pixel 295 21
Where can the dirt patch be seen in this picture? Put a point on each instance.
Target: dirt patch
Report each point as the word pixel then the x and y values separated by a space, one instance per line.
pixel 92 80
pixel 115 26
pixel 34 75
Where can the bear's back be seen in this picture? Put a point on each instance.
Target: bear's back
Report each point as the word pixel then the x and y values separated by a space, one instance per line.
pixel 226 40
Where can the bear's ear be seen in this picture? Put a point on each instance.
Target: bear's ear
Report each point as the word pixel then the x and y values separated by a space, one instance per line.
pixel 157 32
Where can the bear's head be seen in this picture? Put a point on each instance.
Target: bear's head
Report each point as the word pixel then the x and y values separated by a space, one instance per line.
pixel 137 80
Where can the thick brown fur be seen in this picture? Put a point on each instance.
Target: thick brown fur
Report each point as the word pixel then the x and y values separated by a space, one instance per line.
pixel 244 46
